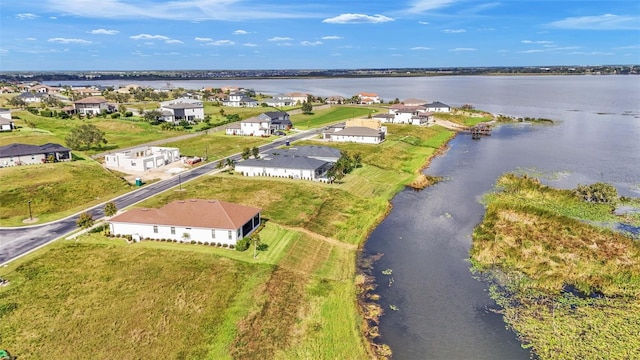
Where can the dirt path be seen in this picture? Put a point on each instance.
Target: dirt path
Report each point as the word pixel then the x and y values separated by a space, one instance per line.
pixel 321 237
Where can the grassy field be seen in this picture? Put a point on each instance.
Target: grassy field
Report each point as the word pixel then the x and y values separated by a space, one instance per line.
pixel 328 116
pixel 217 145
pixel 119 133
pixel 537 248
pixel 466 119
pixel 296 300
pixel 55 190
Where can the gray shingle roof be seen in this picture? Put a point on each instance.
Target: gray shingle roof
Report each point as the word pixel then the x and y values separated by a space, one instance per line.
pixel 285 162
pixel 358 131
pixel 25 149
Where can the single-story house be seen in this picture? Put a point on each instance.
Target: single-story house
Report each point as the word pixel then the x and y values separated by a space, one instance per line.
pixel 356 134
pixel 286 165
pixel 206 221
pixel 32 97
pixel 240 100
pixel 279 120
pixel 24 154
pixel 437 107
pixel 413 102
pixel 279 101
pixel 297 97
pixel 326 153
pixel 180 109
pixel 91 105
pixel 142 159
pixel 335 99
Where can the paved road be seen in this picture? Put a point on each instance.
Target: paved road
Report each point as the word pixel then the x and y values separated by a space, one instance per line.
pixel 16 242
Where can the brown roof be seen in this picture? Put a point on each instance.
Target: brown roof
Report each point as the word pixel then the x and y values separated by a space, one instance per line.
pixel 192 213
pixel 91 100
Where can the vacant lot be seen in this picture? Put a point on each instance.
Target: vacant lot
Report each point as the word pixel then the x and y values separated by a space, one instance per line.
pixel 55 190
pixel 328 116
pixel 217 145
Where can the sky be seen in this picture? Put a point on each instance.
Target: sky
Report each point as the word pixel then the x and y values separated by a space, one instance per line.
pixel 56 35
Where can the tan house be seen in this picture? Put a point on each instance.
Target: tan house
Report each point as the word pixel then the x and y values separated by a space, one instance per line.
pixel 91 105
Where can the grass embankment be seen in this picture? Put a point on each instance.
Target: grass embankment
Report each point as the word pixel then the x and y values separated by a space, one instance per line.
pixel 55 190
pixel 295 301
pixel 465 118
pixel 534 244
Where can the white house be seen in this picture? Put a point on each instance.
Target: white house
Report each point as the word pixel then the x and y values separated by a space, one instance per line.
pixel 184 108
pixel 240 100
pixel 286 164
pixel 280 120
pixel 6 123
pixel 206 221
pixel 32 97
pixel 297 97
pixel 91 105
pixel 357 134
pixel 24 154
pixel 255 126
pixel 437 107
pixel 142 159
pixel 279 101
pixel 368 98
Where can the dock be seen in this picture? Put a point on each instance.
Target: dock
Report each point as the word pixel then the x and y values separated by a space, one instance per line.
pixel 480 130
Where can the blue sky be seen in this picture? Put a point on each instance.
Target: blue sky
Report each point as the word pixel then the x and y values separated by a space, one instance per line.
pixel 314 34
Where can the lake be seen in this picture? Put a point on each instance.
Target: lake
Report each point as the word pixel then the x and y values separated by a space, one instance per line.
pixel 443 312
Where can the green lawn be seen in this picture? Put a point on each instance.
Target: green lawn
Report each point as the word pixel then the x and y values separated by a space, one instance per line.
pixel 55 190
pixel 217 145
pixel 328 116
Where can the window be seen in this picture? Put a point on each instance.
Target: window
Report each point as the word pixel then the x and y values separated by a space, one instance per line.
pixel 230 235
pixel 213 233
pixel 173 230
pixel 239 234
pixel 155 229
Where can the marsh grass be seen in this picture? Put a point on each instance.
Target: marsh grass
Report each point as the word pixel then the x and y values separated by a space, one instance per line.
pixel 534 243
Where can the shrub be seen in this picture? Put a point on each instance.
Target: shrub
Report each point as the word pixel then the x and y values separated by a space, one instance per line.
pixel 46 113
pixel 598 192
pixel 243 244
pixel 115 115
pixel 128 114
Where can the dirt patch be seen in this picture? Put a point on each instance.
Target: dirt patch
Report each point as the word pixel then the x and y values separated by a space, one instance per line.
pixel 161 173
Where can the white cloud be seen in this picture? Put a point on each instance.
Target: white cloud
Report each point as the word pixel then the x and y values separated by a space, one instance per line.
pixel 332 37
pixel 103 32
pixel 149 37
pixel 592 53
pixel 629 47
pixel 420 48
pixel 4 51
pixel 601 22
pixel 280 38
pixel 27 16
pixel 419 6
pixel 357 19
pixel 454 31
pixel 532 51
pixel 309 43
pixel 240 32
pixel 250 45
pixel 31 39
pixel 423 22
pixel 463 49
pixel 173 41
pixel 285 44
pixel 53 18
pixel 537 42
pixel 203 39
pixel 69 41
pixel 221 43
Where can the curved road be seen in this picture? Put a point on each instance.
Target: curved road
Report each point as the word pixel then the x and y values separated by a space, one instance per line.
pixel 17 242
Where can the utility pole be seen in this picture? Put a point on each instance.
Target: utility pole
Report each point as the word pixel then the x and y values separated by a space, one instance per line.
pixel 30 217
pixel 179 182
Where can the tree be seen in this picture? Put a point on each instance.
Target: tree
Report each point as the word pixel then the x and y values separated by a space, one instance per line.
pixel 110 209
pixel 186 237
pixel 231 163
pixel 85 136
pixel 152 116
pixel 307 108
pixel 17 102
pixel 255 240
pixel 246 152
pixel 255 152
pixel 122 109
pixel 85 220
pixel 220 164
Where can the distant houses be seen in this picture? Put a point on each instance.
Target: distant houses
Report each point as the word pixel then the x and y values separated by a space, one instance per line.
pixel 25 154
pixel 196 220
pixel 6 123
pixel 304 162
pixel 142 159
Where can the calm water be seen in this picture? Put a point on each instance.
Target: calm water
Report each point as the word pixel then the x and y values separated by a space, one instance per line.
pixel 426 237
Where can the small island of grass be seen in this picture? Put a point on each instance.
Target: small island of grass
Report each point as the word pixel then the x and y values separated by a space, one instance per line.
pixel 568 286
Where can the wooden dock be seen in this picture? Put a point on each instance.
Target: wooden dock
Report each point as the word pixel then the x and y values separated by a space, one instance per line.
pixel 480 130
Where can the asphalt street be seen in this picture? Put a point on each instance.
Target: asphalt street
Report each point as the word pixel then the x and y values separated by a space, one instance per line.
pixel 16 242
